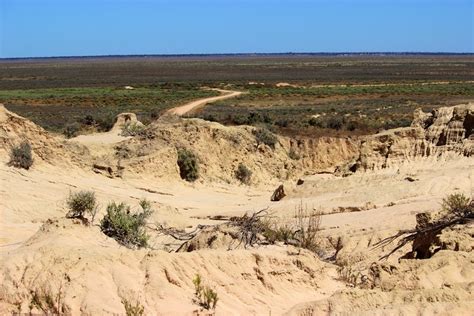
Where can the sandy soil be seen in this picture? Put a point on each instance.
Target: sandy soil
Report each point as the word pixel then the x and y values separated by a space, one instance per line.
pixel 41 250
pixel 181 110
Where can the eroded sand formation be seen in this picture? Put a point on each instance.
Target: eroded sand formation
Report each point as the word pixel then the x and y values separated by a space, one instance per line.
pixel 381 182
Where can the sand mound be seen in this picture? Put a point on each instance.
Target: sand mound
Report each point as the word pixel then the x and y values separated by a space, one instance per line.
pixel 442 285
pixel 95 274
pixel 221 149
pixel 46 148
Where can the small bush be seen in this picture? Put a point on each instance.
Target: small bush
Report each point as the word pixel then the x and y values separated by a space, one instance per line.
pixel 21 157
pixel 71 130
pixel 188 165
pixel 307 226
pixel 335 122
pixel 264 136
pixel 81 203
pixel 316 122
pixel 105 122
pixel 132 129
pixel 47 302
pixel 243 173
pixel 273 233
pixel 458 205
pixel 125 227
pixel 205 296
pixel 136 309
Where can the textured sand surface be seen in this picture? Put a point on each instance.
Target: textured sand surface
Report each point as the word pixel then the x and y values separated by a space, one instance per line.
pixel 41 250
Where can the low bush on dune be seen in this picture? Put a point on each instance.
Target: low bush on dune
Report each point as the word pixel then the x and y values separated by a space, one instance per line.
pixel 128 228
pixel 133 309
pixel 21 156
pixel 264 136
pixel 80 204
pixel 188 165
pixel 260 227
pixel 132 129
pixel 206 297
pixel 243 173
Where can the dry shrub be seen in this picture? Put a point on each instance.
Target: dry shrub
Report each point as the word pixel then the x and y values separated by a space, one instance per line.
pixel 47 302
pixel 21 156
pixel 243 173
pixel 307 226
pixel 135 309
pixel 206 297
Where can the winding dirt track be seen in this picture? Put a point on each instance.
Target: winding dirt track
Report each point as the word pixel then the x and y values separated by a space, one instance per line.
pixel 183 109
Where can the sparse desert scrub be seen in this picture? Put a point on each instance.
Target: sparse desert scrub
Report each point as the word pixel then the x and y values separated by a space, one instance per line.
pixel 48 303
pixel 456 209
pixel 81 203
pixel 21 156
pixel 205 296
pixel 264 136
pixel 133 129
pixel 243 173
pixel 72 130
pixel 133 309
pixel 307 226
pixel 188 165
pixel 126 227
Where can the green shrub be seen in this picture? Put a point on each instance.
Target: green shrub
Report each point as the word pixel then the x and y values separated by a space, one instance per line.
pixel 243 173
pixel 105 122
pixel 205 296
pixel 264 136
pixel 335 122
pixel 316 122
pixel 132 129
pixel 126 227
pixel 80 203
pixel 188 165
pixel 71 130
pixel 458 205
pixel 21 157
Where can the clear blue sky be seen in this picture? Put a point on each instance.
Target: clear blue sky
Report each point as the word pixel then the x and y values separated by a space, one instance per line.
pixel 104 27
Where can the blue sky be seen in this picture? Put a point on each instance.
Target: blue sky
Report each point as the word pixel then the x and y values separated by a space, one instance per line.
pixel 105 27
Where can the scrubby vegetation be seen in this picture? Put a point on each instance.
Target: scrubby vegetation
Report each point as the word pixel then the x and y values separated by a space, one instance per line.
pixel 72 130
pixel 21 156
pixel 80 204
pixel 264 136
pixel 243 174
pixel 188 165
pixel 132 129
pixel 205 296
pixel 128 228
pixel 47 302
pixel 261 227
pixel 457 209
pixel 131 309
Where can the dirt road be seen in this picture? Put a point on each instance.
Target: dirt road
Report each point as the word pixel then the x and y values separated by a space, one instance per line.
pixel 183 109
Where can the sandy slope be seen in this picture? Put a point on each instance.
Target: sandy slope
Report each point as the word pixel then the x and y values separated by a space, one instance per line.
pixel 181 110
pixel 41 250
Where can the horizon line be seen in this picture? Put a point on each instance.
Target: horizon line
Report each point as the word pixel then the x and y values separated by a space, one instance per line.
pixel 348 53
